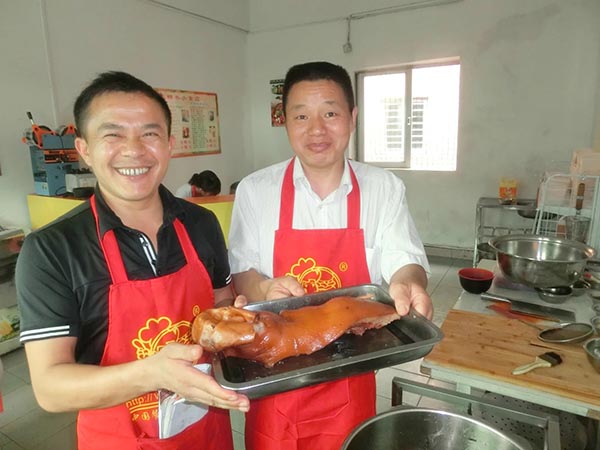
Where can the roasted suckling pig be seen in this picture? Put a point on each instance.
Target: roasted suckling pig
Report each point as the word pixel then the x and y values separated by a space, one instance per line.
pixel 268 337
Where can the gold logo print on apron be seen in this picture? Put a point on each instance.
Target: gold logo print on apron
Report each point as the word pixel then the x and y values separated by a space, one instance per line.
pixel 151 338
pixel 314 278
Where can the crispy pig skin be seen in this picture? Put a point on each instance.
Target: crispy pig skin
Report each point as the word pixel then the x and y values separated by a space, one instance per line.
pixel 268 338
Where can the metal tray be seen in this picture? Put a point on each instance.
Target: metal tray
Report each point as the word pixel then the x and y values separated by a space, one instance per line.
pixel 406 339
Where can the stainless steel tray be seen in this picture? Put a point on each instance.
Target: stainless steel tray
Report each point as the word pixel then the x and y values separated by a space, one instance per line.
pixel 406 339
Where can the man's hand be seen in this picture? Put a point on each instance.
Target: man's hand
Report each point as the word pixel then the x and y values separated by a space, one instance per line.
pixel 175 371
pixel 282 287
pixel 256 287
pixel 408 290
pixel 240 301
pixel 60 384
pixel 411 295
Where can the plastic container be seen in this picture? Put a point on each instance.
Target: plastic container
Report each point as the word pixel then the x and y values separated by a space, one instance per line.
pixel 507 191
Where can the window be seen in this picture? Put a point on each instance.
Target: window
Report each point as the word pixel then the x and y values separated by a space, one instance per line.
pixel 409 117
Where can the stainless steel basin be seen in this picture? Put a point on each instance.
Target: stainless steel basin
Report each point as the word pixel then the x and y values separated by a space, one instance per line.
pixel 541 261
pixel 430 429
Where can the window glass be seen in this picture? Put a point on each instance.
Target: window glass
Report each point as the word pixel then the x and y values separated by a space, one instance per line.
pixel 409 117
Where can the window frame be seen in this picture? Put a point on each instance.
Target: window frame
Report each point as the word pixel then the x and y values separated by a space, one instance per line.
pixel 407 69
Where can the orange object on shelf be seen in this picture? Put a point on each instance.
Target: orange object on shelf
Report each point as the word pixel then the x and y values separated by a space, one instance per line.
pixel 507 190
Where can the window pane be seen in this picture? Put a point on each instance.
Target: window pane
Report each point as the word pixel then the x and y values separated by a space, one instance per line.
pixel 384 118
pixel 434 117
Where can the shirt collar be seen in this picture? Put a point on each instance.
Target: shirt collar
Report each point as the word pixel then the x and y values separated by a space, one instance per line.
pixel 300 177
pixel 108 220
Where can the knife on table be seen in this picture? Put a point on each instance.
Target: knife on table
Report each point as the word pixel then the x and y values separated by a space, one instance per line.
pixel 533 309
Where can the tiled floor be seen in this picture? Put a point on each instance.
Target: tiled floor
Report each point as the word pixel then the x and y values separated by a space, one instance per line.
pixel 25 426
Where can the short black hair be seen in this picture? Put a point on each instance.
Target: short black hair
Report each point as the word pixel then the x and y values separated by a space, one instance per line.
pixel 315 71
pixel 114 81
pixel 208 181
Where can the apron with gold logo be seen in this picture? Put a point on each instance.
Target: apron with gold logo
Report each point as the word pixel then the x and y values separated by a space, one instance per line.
pixel 316 417
pixel 144 316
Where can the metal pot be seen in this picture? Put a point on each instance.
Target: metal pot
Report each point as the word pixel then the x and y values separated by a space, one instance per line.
pixel 420 428
pixel 541 261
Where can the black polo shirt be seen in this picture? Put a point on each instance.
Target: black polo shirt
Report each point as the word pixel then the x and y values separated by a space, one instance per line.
pixel 63 281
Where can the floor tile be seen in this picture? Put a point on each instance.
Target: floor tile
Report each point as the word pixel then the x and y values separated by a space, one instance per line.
pixel 16 404
pixel 439 266
pixel 7 443
pixel 10 382
pixel 10 445
pixel 44 423
pixel 14 358
pixel 450 279
pixel 384 379
pixel 64 439
pixel 20 371
pixel 444 298
pixel 411 366
pixel 382 404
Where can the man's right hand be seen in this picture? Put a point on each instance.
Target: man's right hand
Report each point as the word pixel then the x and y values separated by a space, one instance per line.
pixel 175 371
pixel 60 384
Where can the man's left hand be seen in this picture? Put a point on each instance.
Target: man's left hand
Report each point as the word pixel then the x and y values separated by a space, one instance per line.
pixel 411 295
pixel 408 290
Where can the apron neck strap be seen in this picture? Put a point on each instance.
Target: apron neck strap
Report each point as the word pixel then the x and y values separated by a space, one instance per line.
pixel 286 214
pixel 112 253
pixel 110 248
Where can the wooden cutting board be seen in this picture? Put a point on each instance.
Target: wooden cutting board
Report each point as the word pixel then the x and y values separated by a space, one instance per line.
pixel 493 346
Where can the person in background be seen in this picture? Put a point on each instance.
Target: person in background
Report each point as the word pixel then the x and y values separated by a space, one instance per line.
pixel 107 293
pixel 233 187
pixel 203 184
pixel 319 222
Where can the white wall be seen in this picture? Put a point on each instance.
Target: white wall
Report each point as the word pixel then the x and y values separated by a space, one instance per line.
pixel 84 37
pixel 529 83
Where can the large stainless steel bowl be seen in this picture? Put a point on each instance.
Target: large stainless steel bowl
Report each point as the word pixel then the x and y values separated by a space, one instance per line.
pixel 421 428
pixel 541 261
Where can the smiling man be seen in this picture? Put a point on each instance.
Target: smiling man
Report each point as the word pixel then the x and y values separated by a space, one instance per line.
pixel 314 223
pixel 107 293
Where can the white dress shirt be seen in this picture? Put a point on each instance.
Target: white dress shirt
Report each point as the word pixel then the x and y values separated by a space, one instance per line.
pixel 184 191
pixel 391 239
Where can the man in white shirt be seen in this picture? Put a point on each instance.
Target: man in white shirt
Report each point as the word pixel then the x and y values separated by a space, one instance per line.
pixel 319 222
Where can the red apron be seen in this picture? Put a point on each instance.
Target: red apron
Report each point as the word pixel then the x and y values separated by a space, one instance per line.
pixel 315 417
pixel 143 317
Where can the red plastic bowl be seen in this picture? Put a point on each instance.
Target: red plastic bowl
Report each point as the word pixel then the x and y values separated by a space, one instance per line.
pixel 475 280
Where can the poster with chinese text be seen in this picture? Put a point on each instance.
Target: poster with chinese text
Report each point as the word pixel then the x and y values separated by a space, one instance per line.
pixel 277 116
pixel 195 122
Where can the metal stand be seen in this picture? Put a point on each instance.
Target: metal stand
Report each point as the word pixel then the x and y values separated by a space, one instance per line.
pixel 486 230
pixel 549 423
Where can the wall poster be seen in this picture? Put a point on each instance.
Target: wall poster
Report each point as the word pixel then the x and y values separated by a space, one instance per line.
pixel 277 117
pixel 195 124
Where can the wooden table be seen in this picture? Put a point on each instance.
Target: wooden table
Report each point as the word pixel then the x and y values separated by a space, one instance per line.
pixel 481 348
pixel 480 351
